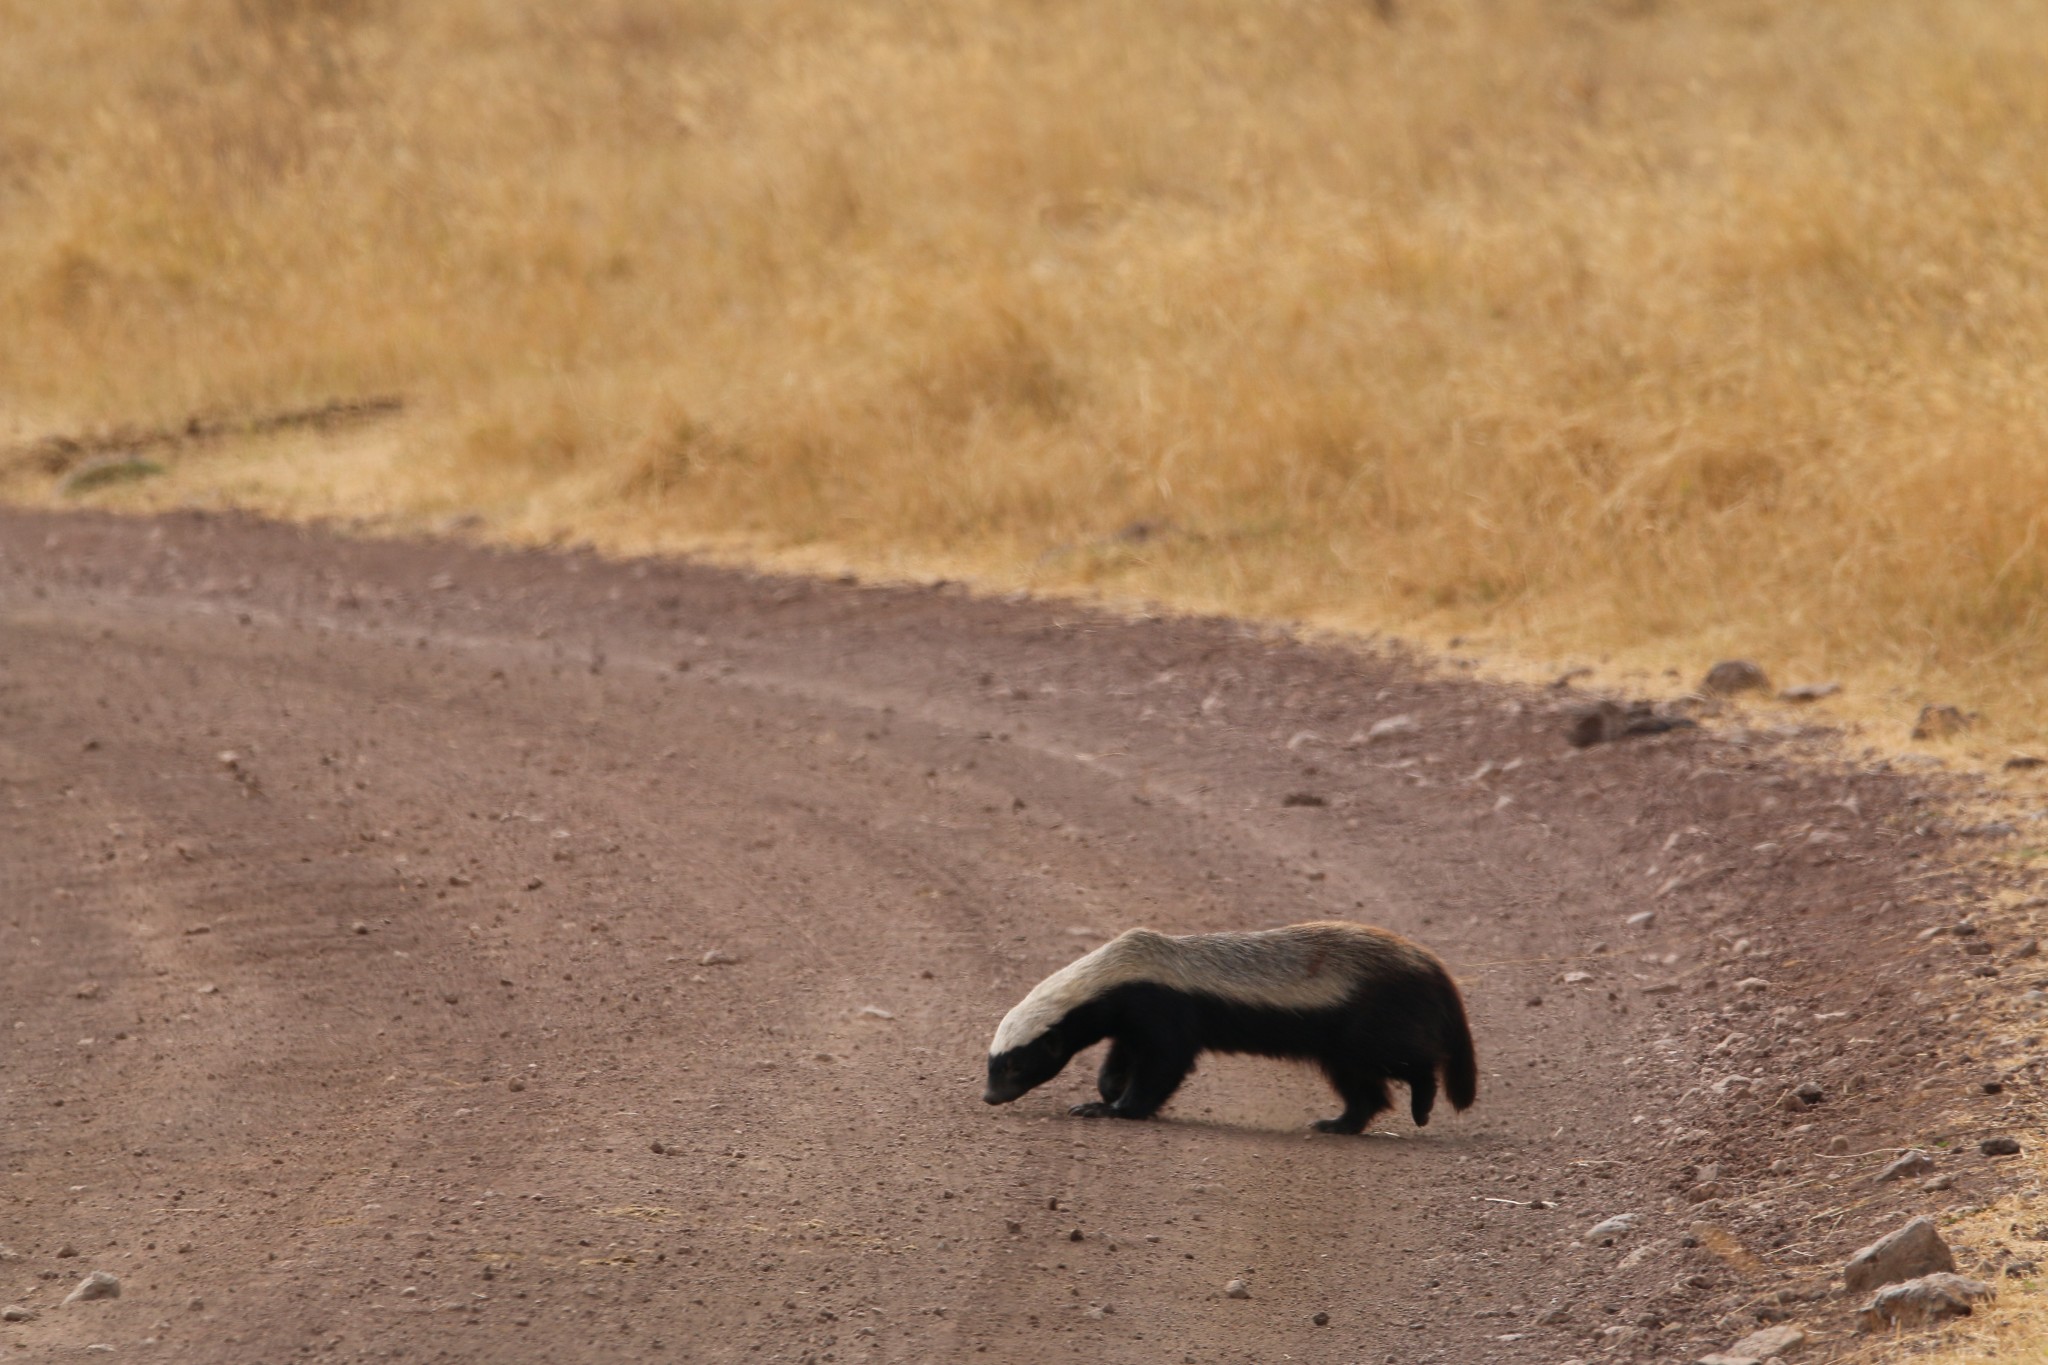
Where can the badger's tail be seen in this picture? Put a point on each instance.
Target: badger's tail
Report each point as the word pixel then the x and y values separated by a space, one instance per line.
pixel 1461 1066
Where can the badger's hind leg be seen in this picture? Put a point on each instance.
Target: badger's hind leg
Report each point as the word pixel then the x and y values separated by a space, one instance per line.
pixel 1365 1098
pixel 1421 1092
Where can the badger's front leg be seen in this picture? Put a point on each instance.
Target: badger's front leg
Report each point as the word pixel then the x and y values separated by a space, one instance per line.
pixel 1149 1073
pixel 1115 1077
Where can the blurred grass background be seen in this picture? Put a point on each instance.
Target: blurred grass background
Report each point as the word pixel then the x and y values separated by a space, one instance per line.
pixel 1636 328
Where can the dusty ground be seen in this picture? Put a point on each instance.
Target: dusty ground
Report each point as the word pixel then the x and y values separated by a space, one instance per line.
pixel 354 900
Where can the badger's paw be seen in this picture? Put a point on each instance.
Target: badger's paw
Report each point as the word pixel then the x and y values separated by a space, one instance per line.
pixel 1337 1126
pixel 1094 1109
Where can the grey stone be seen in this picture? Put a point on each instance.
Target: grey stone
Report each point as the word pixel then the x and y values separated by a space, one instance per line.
pixel 14 1312
pixel 1922 1302
pixel 1781 1340
pixel 1730 676
pixel 1391 727
pixel 1608 1228
pixel 1915 1162
pixel 101 1284
pixel 1903 1254
pixel 1237 1289
pixel 1999 1146
pixel 1939 722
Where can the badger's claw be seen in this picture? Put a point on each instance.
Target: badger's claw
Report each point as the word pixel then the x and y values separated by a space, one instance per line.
pixel 1093 1109
pixel 1337 1126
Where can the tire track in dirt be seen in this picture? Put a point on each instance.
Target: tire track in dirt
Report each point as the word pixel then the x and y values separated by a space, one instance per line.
pixel 436 1138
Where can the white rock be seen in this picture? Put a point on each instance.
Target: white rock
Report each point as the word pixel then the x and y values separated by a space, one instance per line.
pixel 1641 919
pixel 1237 1289
pixel 718 957
pixel 101 1284
pixel 1390 727
pixel 1752 983
pixel 875 1012
pixel 1619 1225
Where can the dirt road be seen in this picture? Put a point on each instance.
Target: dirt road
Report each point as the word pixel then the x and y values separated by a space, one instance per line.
pixel 418 952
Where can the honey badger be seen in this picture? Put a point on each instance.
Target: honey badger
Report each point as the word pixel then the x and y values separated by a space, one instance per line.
pixel 1364 1004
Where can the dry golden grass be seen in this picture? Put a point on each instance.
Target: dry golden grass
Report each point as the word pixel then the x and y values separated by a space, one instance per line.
pixel 1606 326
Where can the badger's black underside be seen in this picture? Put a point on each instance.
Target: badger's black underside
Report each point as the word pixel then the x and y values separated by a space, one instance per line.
pixel 1157 1033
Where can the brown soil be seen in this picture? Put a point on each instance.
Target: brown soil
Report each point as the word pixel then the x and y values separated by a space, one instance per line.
pixel 354 902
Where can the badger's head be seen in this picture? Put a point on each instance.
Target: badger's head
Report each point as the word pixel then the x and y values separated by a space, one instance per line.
pixel 1019 1068
pixel 1052 1023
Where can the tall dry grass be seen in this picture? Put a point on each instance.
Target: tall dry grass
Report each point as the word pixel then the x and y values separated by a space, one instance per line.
pixel 1597 324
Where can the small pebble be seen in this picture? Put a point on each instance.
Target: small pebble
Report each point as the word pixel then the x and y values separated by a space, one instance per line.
pixel 718 957
pixel 1237 1289
pixel 1999 1146
pixel 1838 1145
pixel 14 1312
pixel 66 1252
pixel 1074 1236
pixel 359 927
pixel 1321 1319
